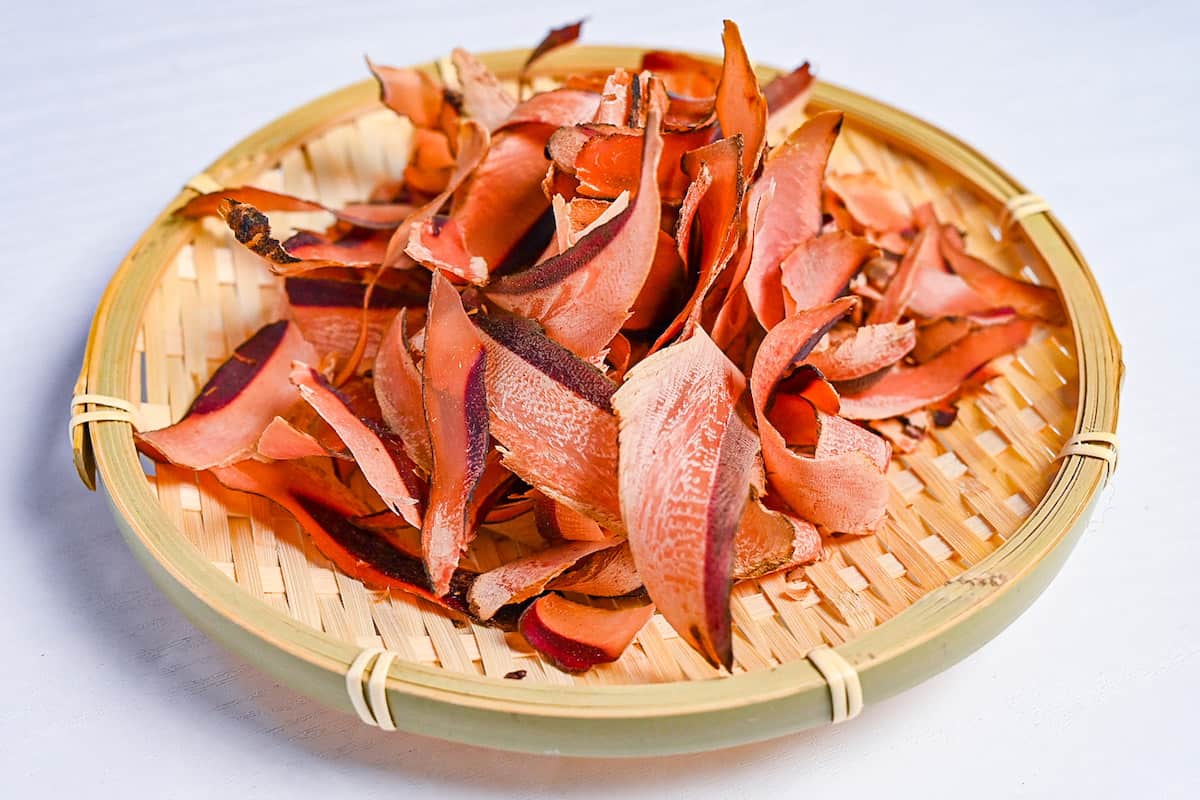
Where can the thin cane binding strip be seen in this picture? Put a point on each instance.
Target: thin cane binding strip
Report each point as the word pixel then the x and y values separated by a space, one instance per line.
pixel 377 691
pixel 204 184
pixel 114 410
pixel 1020 206
pixel 845 690
pixel 354 690
pixel 371 705
pixel 1093 444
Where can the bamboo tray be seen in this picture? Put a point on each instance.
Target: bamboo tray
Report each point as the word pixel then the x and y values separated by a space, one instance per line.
pixel 981 518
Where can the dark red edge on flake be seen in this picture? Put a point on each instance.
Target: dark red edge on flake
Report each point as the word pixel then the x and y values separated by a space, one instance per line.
pixel 557 268
pixel 567 654
pixel 239 370
pixel 785 87
pixel 389 561
pixel 724 512
pixel 554 39
pixel 528 248
pixel 327 293
pixel 406 571
pixel 524 339
pixel 476 415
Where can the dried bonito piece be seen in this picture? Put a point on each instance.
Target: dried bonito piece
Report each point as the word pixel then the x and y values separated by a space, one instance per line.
pixel 630 322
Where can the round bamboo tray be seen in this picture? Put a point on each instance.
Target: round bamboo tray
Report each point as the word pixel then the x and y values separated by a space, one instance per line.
pixel 981 516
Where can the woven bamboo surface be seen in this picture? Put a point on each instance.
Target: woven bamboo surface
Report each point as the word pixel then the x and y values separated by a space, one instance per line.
pixel 954 501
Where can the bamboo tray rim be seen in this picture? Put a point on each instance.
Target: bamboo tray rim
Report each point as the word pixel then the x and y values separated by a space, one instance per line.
pixel 942 615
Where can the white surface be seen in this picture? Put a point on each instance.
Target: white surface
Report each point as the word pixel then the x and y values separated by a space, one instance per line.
pixel 108 692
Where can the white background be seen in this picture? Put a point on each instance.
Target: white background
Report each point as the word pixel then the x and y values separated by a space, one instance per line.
pixel 105 109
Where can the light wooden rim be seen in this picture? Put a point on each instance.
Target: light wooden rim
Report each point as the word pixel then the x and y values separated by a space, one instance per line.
pixel 889 658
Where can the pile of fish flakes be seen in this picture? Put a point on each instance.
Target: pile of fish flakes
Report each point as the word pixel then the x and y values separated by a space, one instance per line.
pixel 610 314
